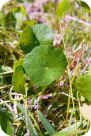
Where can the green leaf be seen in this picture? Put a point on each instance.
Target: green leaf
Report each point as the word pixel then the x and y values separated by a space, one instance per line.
pixel 69 131
pixel 2 18
pixel 46 124
pixel 43 33
pixel 18 79
pixel 28 40
pixel 45 64
pixel 18 63
pixel 10 128
pixel 83 85
pixel 84 5
pixel 10 20
pixel 62 8
pixel 87 2
pixel 6 120
pixel 39 34
pixel 19 19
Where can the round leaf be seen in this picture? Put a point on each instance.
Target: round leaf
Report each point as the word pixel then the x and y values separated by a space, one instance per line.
pixel 43 33
pixel 39 34
pixel 45 65
pixel 83 85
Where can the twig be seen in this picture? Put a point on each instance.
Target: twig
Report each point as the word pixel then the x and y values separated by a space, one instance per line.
pixel 6 73
pixel 4 87
pixel 78 20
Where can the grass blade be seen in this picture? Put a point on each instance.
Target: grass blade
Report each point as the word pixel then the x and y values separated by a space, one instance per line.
pixel 46 124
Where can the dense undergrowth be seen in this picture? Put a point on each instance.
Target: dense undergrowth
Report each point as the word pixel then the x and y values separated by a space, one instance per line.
pixel 45 68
